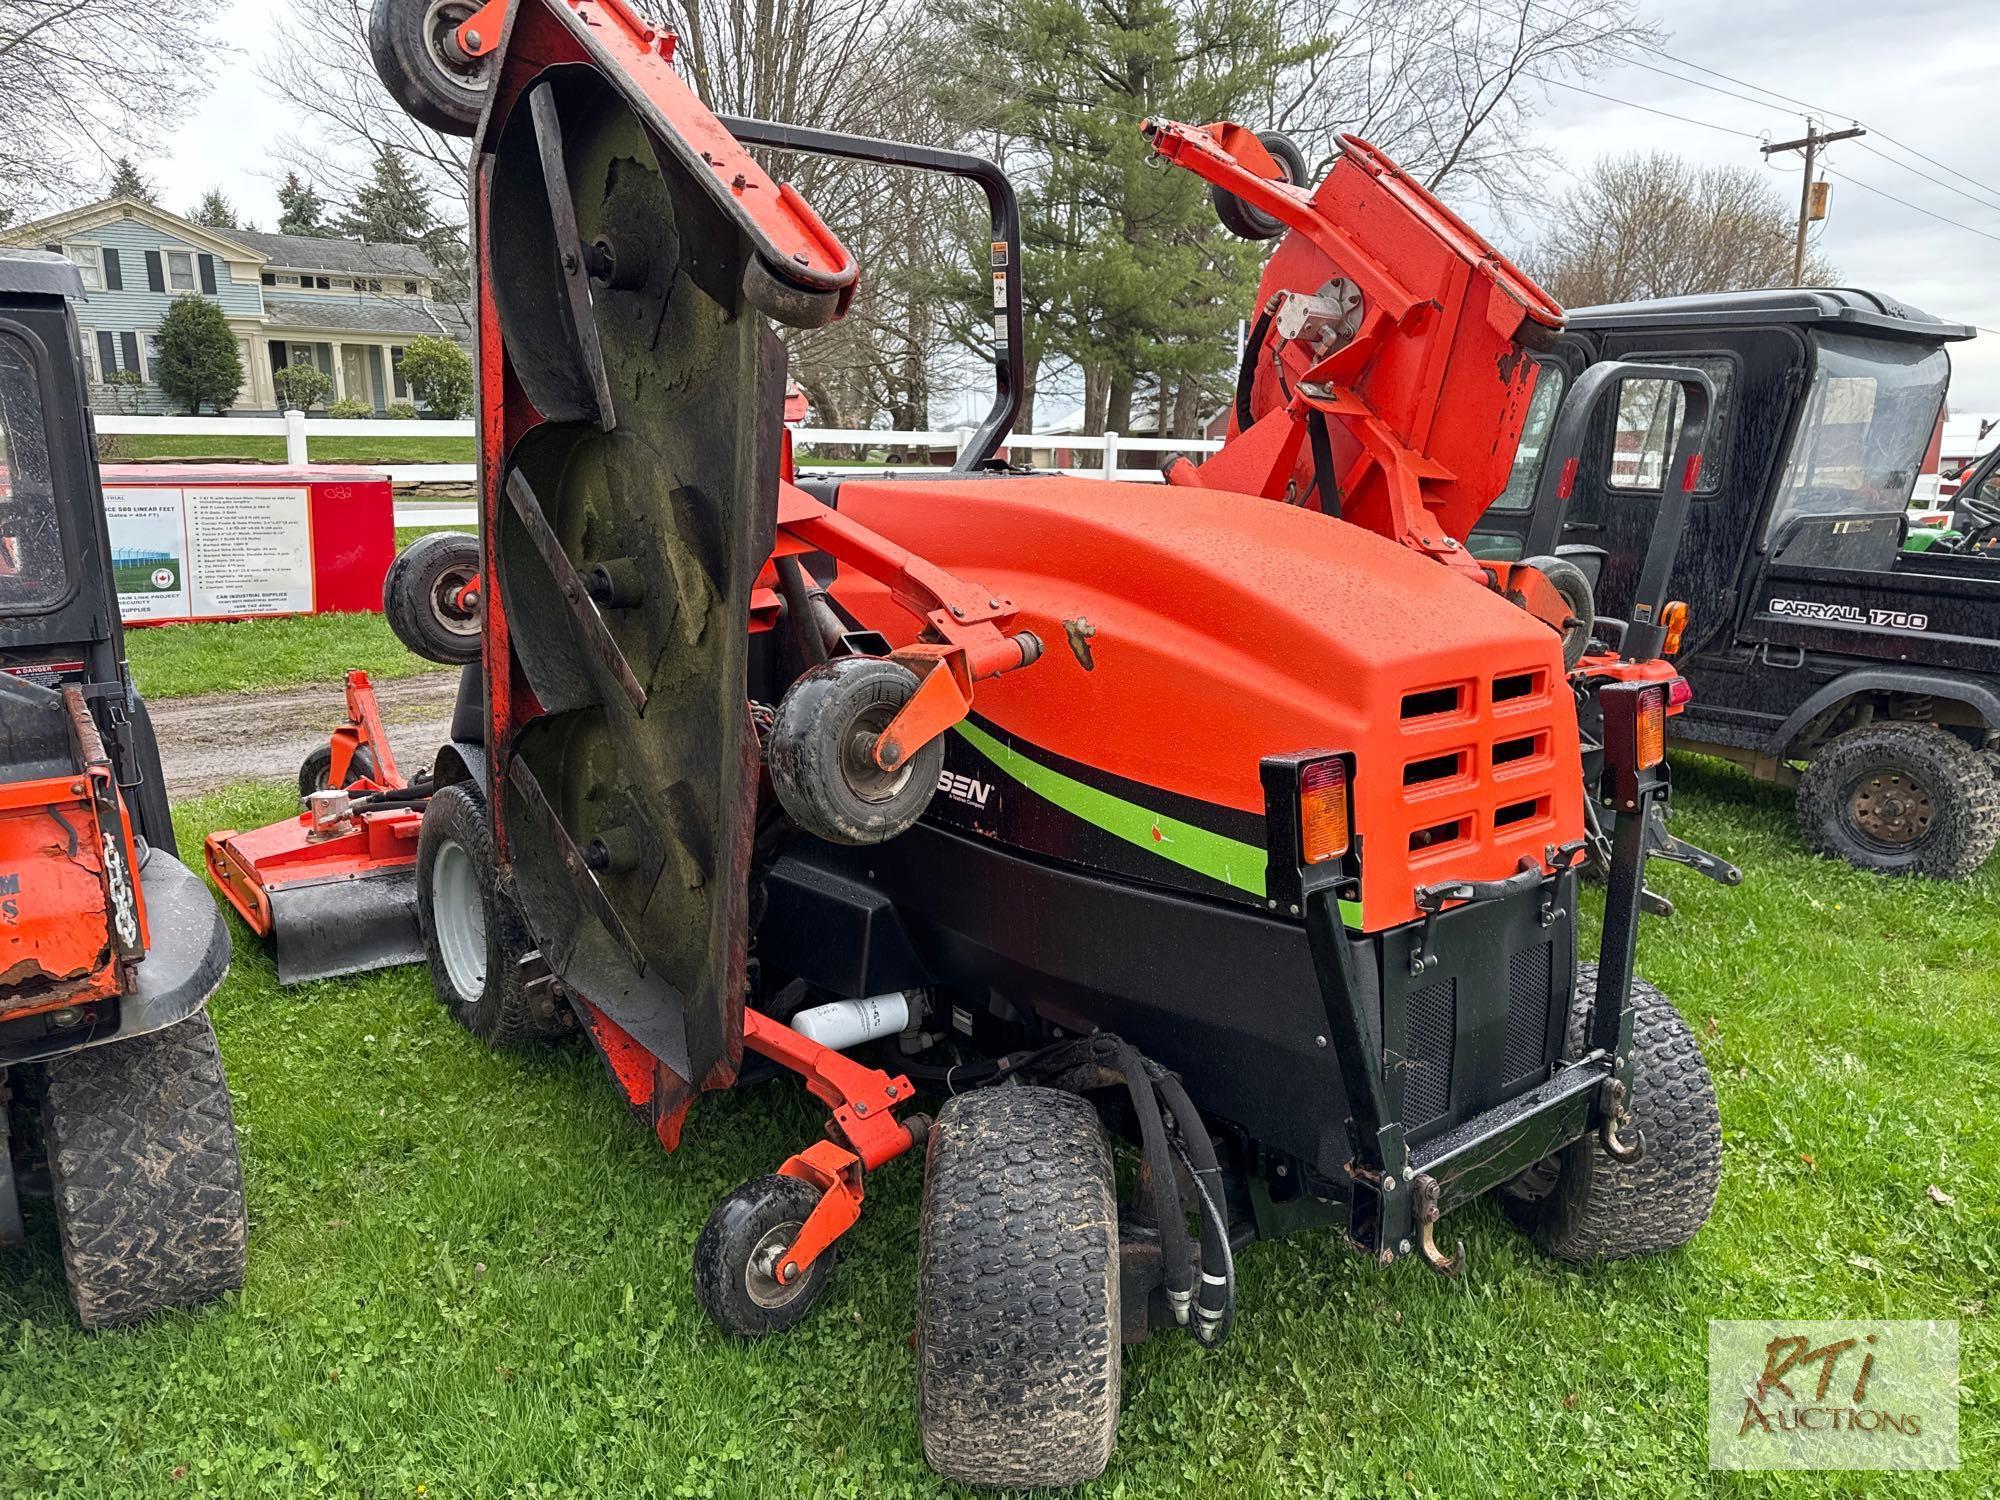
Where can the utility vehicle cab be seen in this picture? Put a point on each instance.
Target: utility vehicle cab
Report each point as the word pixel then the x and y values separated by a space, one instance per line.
pixel 1811 635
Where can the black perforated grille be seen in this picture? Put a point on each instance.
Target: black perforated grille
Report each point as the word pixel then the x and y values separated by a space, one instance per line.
pixel 1528 975
pixel 1433 1018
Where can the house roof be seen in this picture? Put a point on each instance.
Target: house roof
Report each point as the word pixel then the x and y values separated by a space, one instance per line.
pixel 231 245
pixel 361 315
pixel 311 252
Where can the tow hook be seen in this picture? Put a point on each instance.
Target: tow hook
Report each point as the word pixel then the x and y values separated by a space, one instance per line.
pixel 1425 1191
pixel 1614 1117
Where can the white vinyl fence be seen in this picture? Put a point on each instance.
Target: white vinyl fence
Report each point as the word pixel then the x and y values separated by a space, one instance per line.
pixel 904 452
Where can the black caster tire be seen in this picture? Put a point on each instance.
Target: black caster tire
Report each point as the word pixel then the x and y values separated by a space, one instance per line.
pixel 1017 1337
pixel 316 770
pixel 1582 1204
pixel 1246 221
pixel 474 935
pixel 820 753
pixel 410 44
pixel 1574 585
pixel 1903 799
pixel 737 1258
pixel 420 597
pixel 144 1168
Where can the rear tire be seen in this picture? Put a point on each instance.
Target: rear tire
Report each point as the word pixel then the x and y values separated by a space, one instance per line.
pixel 1599 1208
pixel 474 936
pixel 408 41
pixel 420 595
pixel 147 1180
pixel 1246 221
pixel 1017 1339
pixel 820 753
pixel 1904 799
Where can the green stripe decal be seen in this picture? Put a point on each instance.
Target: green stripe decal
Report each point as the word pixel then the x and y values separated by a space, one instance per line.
pixel 1212 854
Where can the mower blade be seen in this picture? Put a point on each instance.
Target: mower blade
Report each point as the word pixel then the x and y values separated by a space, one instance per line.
pixel 328 928
pixel 569 249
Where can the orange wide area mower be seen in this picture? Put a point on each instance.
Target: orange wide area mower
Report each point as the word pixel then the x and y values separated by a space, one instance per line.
pixel 1176 818
pixel 112 1098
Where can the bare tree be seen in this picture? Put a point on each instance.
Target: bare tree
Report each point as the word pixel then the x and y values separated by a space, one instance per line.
pixel 85 81
pixel 1653 225
pixel 1449 88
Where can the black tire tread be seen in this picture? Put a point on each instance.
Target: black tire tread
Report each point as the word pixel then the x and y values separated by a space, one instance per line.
pixel 147 1180
pixel 1603 1209
pixel 1017 1335
pixel 1964 830
pixel 802 752
pixel 1245 220
pixel 504 1016
pixel 406 596
pixel 722 1252
pixel 404 66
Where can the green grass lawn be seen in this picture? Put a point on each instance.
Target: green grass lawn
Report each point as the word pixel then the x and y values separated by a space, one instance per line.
pixel 150 448
pixel 469 1271
pixel 172 661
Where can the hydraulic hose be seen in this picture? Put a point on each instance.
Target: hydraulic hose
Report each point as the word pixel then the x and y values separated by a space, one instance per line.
pixel 1176 1248
pixel 1215 1308
pixel 1246 373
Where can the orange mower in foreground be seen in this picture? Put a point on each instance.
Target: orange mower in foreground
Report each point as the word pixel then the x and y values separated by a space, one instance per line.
pixel 1246 834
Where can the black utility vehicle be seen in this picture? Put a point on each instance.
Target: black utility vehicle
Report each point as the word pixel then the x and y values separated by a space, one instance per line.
pixel 1821 654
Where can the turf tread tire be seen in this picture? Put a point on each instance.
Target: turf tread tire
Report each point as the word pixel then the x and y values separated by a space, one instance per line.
pixel 1604 1209
pixel 147 1180
pixel 1017 1335
pixel 503 1015
pixel 1964 829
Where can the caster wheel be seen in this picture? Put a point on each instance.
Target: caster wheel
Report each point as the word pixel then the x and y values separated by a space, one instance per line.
pixel 1569 581
pixel 821 753
pixel 413 44
pixel 421 597
pixel 1246 221
pixel 316 770
pixel 738 1261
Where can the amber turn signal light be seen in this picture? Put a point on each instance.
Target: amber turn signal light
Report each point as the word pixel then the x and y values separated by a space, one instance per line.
pixel 1323 812
pixel 1675 618
pixel 1651 739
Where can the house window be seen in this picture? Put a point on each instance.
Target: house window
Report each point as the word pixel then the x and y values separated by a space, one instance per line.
pixel 410 288
pixel 371 284
pixel 343 283
pixel 269 279
pixel 89 338
pixel 151 342
pixel 288 281
pixel 89 261
pixel 396 375
pixel 180 270
pixel 322 283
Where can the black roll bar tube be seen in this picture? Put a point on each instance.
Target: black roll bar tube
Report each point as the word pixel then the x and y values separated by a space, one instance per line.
pixel 1009 371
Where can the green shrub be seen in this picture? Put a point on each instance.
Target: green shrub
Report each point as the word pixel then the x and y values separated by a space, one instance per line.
pixel 402 411
pixel 348 407
pixel 301 387
pixel 441 374
pixel 198 364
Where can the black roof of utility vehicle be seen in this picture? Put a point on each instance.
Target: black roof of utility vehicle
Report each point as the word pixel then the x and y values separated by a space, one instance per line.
pixel 38 273
pixel 1833 307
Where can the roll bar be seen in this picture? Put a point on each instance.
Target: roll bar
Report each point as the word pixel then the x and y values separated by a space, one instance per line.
pixel 1009 372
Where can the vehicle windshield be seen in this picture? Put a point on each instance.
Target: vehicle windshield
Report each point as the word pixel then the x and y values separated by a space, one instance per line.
pixel 1550 378
pixel 32 574
pixel 1861 441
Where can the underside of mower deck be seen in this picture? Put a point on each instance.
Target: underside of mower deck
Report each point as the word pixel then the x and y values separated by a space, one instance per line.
pixel 1246 807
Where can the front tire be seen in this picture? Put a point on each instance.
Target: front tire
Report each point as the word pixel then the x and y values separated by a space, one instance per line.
pixel 421 593
pixel 474 936
pixel 1018 1349
pixel 1904 799
pixel 147 1180
pixel 738 1258
pixel 820 753
pixel 1586 1205
pixel 410 42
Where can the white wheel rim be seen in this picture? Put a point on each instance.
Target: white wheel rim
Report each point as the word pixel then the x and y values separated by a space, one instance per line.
pixel 458 919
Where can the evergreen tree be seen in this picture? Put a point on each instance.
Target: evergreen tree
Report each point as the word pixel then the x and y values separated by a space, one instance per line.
pixel 1130 276
pixel 214 211
pixel 301 210
pixel 198 363
pixel 392 207
pixel 128 182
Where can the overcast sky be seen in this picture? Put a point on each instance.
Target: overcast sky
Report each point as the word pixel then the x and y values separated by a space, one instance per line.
pixel 1925 71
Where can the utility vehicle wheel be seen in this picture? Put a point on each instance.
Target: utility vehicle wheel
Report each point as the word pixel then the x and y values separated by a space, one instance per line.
pixel 1017 1291
pixel 422 592
pixel 316 770
pixel 739 1259
pixel 415 49
pixel 143 1162
pixel 1245 220
pixel 474 937
pixel 821 753
pixel 1907 799
pixel 1571 582
pixel 1581 1204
